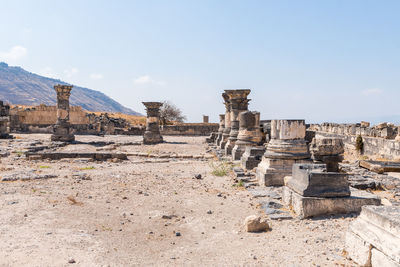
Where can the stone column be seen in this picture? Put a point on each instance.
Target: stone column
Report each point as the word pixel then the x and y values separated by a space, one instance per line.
pixel 62 131
pixel 205 119
pixel 249 133
pixel 220 129
pixel 286 147
pixel 227 129
pixel 238 103
pixel 152 134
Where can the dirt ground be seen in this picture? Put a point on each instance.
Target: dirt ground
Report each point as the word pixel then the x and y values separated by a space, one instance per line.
pixel 142 212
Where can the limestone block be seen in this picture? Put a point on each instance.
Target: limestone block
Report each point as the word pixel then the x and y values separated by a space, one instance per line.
pixel 252 157
pixel 378 259
pixel 305 207
pixel 358 249
pixel 312 180
pixel 271 172
pixel 380 226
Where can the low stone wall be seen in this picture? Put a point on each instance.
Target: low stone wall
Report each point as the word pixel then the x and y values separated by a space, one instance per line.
pixel 202 129
pixel 373 146
pixel 382 130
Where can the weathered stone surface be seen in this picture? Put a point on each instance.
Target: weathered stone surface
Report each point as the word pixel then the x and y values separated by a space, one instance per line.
pixel 227 128
pixel 61 155
pixel 249 133
pixel 238 102
pixel 220 129
pixel 271 172
pixel 380 166
pixel 255 224
pixel 358 249
pixel 152 134
pixel 378 259
pixel 252 157
pixel 328 150
pixel 312 180
pixel 286 147
pixel 305 207
pixel 379 227
pixel 62 127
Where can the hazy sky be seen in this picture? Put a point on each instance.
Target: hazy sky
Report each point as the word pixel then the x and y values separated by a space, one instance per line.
pixel 318 60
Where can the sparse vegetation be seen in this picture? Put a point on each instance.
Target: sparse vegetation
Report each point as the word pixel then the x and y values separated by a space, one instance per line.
pixel 359 144
pixel 221 168
pixel 88 168
pixel 44 167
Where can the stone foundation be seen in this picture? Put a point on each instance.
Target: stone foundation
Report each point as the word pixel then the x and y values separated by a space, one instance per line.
pixel 305 207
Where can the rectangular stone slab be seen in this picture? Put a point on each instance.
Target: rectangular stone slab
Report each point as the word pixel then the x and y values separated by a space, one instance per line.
pixel 380 226
pixel 311 180
pixel 380 166
pixel 305 207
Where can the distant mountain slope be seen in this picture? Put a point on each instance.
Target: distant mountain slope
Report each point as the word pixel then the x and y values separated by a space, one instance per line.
pixel 20 87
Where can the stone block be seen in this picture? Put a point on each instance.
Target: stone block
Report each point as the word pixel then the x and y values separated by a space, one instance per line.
pixel 305 207
pixel 358 249
pixel 380 226
pixel 271 172
pixel 379 259
pixel 252 157
pixel 312 180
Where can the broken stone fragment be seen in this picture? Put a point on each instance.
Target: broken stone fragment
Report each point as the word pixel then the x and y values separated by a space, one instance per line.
pixel 255 224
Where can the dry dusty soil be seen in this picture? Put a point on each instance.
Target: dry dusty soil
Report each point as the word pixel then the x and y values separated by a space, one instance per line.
pixel 144 212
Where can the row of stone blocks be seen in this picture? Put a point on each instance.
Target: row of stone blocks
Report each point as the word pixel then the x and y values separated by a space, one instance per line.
pixel 373 239
pixel 62 155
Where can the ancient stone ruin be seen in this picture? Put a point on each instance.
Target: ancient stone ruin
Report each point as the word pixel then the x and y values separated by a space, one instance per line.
pixel 62 126
pixel 286 147
pixel 312 191
pixel 152 134
pixel 4 121
pixel 227 128
pixel 373 239
pixel 249 133
pixel 221 128
pixel 328 150
pixel 238 102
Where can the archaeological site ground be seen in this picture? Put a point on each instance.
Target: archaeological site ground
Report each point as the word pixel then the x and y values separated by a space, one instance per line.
pixel 86 189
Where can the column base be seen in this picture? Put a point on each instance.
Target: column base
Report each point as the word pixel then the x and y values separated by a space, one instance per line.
pixel 152 138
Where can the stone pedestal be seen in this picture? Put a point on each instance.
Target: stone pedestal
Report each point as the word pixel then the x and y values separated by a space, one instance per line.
pixel 238 103
pixel 286 147
pixel 227 129
pixel 62 131
pixel 249 133
pixel 252 157
pixel 4 121
pixel 152 134
pixel 312 191
pixel 373 239
pixel 328 150
pixel 220 129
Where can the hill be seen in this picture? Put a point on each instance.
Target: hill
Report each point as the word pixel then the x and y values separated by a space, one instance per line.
pixel 20 87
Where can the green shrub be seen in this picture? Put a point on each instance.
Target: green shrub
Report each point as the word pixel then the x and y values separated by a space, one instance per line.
pixel 359 144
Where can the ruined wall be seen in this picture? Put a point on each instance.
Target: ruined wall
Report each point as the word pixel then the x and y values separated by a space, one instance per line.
pixel 202 129
pixel 47 115
pixel 379 141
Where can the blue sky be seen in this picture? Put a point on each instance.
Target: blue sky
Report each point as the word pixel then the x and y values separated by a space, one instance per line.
pixel 317 60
